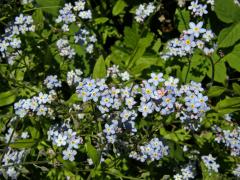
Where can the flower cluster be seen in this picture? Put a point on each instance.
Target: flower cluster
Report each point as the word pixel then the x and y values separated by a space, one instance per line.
pixel 210 163
pixel 21 25
pixel 154 150
pixel 10 43
pixel 231 139
pixel 194 104
pixel 143 11
pixel 12 157
pixel 186 173
pixel 115 73
pixel 195 37
pixel 37 104
pixel 64 136
pixel 69 13
pixel 198 9
pixel 110 131
pixel 52 82
pixel 157 94
pixel 86 38
pixel 65 49
pixel 74 76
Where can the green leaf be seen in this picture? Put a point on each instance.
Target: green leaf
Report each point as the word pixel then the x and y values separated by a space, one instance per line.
pixel 198 69
pixel 145 62
pixel 131 36
pixel 236 88
pixel 183 19
pixel 119 7
pixel 100 20
pixel 99 70
pixel 50 6
pixel 23 143
pixel 73 99
pixel 92 153
pixel 220 73
pixel 233 58
pixel 7 97
pixel 140 49
pixel 38 19
pixel 229 36
pixel 215 91
pixel 157 45
pixel 227 11
pixel 228 105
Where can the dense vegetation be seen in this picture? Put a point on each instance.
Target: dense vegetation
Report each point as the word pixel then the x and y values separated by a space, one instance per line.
pixel 120 89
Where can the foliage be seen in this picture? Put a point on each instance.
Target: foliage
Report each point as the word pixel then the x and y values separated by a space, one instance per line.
pixel 120 89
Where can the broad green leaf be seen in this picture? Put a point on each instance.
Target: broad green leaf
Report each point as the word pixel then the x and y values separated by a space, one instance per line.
pixel 182 18
pixel 233 58
pixel 228 105
pixel 99 70
pixel 220 73
pixel 140 49
pixel 215 91
pixel 7 97
pixel 198 69
pixel 236 88
pixel 145 62
pixel 118 56
pixel 229 36
pixel 227 11
pixel 119 7
pixel 38 19
pixel 23 143
pixel 131 36
pixel 50 6
pixel 92 153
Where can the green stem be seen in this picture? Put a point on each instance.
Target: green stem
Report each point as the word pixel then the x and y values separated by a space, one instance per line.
pixel 213 70
pixel 188 70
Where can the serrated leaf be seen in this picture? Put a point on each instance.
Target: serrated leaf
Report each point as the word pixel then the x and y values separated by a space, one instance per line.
pixel 7 97
pixel 229 36
pixel 99 70
pixel 119 7
pixel 227 11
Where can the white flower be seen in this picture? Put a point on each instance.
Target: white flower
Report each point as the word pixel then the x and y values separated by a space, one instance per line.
pixel 69 154
pixel 125 76
pixel 61 140
pixel 11 172
pixel 196 29
pixel 24 135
